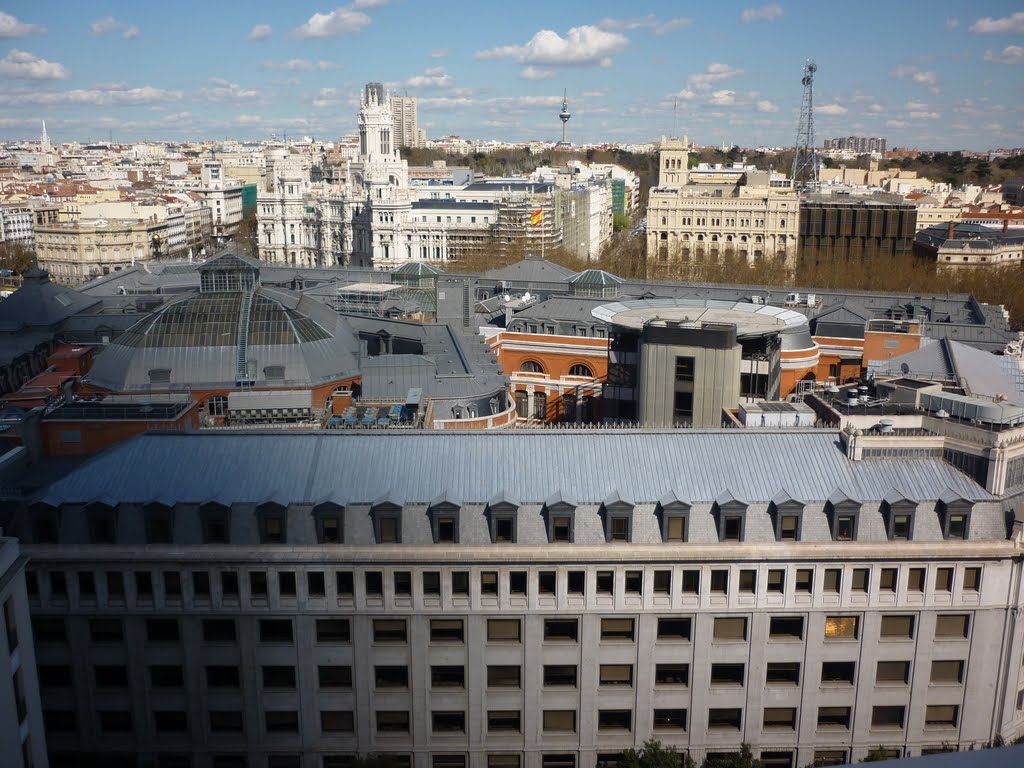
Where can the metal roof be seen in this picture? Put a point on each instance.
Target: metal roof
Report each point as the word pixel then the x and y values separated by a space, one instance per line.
pixel 586 466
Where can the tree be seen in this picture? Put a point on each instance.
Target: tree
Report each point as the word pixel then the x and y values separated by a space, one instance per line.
pixel 876 755
pixel 16 257
pixel 653 754
pixel 620 222
pixel 742 759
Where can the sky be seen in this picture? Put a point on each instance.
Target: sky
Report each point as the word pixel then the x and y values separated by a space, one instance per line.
pixel 930 74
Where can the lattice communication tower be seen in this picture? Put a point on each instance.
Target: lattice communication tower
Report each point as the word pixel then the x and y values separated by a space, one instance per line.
pixel 805 159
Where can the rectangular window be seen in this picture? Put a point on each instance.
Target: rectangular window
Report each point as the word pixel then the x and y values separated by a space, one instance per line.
pixel 286 583
pixel 222 676
pixel 730 628
pixel 662 582
pixel 897 627
pixel 616 674
pixel 941 715
pixel 559 720
pixel 219 631
pixel 826 757
pixel 170 721
pixel 392 721
pixel 508 721
pixel 115 721
pixel 561 629
pixel 504 676
pixel 277 676
pixel 672 674
pixel 54 675
pixel 344 583
pixel 431 583
pixel 561 675
pixel 691 582
pixel 674 628
pixel 316 584
pixel 489 583
pixel 111 675
pixel 275 630
pixel 887 717
pixel 675 528
pixel 258 584
pixel 972 579
pixel 727 674
pixel 833 580
pixel 391 676
pixel 670 719
pixel 614 720
pixel 786 628
pixel 789 527
pixel 616 629
pixel 389 631
pixel 839 672
pixel 605 581
pixel 115 585
pixel 748 580
pixel 805 580
pixel 576 582
pixel 546 582
pixel 229 585
pixel 332 631
pixel 842 627
pixel 720 581
pixel 915 580
pixel 503 630
pixel 861 579
pixel 460 582
pixel 944 580
pixel 887 580
pixel 893 672
pixel 517 582
pixel 106 630
pixel 777 580
pixel 337 721
pixel 834 717
pixel 634 582
pixel 947 672
pixel 374 581
pixel 725 718
pixel 334 676
pixel 780 717
pixel 447 676
pixel 952 625
pixel 446 631
pixel 166 676
pixel 282 721
pixel 783 673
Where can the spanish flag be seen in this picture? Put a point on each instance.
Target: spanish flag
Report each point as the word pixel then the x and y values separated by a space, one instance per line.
pixel 537 217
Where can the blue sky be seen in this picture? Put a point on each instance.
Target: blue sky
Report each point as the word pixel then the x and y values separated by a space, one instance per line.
pixel 930 74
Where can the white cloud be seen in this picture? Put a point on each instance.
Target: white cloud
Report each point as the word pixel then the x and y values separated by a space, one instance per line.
pixel 222 90
pixel 1011 54
pixel 650 21
pixel 496 104
pixel 582 46
pixel 432 77
pixel 22 65
pixel 11 27
pixel 920 114
pixel 1008 25
pixel 327 97
pixel 769 12
pixel 895 124
pixel 110 24
pixel 766 106
pixel 921 77
pixel 713 74
pixel 916 105
pixel 302 65
pixel 440 53
pixel 723 98
pixel 536 73
pixel 876 108
pixel 113 95
pixel 343 20
pixel 831 109
pixel 952 24
pixel 261 32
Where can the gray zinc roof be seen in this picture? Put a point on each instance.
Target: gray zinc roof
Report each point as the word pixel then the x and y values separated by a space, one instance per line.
pixel 700 466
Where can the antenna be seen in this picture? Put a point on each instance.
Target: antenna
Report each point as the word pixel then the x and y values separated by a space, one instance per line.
pixel 805 160
pixel 564 115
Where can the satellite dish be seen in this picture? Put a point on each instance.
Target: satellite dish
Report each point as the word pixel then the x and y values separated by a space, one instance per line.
pixel 904 368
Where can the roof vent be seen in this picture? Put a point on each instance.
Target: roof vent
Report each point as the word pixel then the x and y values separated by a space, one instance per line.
pixel 942 413
pixel 885 426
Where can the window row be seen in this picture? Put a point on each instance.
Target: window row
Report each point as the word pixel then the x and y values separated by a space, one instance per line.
pixel 452 630
pixel 616 514
pixel 258 585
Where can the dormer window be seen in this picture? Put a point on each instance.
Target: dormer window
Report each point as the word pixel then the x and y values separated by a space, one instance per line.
pixel 618 518
pixel 387 521
pixel 102 519
pixel 502 514
pixel 560 513
pixel 444 519
pixel 787 516
pixel 272 519
pixel 675 519
pixel 159 519
pixel 731 515
pixel 899 516
pixel 844 514
pixel 955 515
pixel 216 520
pixel 44 523
pixel 329 519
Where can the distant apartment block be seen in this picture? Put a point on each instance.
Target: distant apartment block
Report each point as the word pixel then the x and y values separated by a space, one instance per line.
pixel 860 145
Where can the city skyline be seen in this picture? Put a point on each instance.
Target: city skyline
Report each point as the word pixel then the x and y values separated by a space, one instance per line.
pixel 935 76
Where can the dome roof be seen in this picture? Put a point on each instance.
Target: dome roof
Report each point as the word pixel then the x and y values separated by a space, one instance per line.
pixel 194 342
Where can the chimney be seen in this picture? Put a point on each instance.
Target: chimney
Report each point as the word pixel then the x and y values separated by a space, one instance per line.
pixel 950 234
pixel 1006 226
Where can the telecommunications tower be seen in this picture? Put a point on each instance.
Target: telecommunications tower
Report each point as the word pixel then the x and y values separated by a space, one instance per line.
pixel 805 159
pixel 564 116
